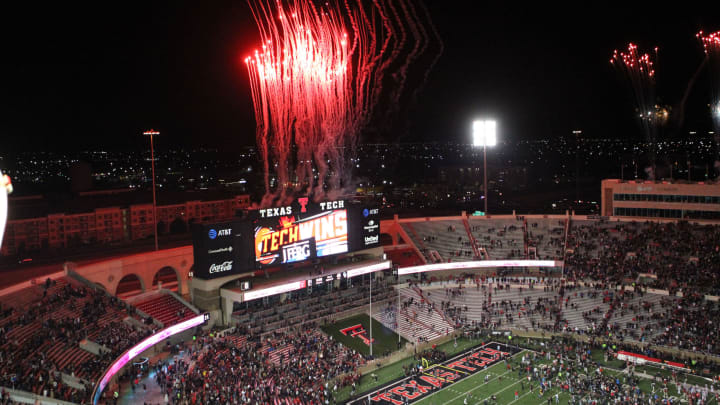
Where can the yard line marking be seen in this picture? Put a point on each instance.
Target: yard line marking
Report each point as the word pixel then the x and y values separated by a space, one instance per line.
pixel 479 386
pixel 497 392
pixel 496 364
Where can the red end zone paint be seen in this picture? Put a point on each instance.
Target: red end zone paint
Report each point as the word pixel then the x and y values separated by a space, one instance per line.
pixel 357 331
pixel 438 376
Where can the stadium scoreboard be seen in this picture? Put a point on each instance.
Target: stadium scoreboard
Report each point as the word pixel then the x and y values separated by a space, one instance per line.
pixel 305 230
pixel 295 233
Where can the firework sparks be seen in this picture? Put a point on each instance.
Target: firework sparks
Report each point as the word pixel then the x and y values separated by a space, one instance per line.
pixel 314 82
pixel 711 45
pixel 639 70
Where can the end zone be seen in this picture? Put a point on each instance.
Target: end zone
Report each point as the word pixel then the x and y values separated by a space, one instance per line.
pixel 439 376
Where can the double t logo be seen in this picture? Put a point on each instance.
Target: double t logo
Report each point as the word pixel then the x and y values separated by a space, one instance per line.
pixel 357 331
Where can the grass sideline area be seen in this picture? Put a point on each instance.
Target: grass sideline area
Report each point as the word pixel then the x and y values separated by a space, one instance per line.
pixel 385 340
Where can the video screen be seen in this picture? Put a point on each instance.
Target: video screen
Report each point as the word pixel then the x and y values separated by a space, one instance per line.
pixel 304 230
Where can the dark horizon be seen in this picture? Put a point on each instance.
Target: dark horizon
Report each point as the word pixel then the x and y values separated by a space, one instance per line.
pixel 82 78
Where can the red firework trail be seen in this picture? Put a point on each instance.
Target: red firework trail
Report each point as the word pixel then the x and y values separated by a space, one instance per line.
pixel 639 69
pixel 314 83
pixel 711 44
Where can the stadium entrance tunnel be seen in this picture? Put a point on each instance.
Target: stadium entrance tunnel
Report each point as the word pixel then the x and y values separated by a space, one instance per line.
pixel 167 278
pixel 129 286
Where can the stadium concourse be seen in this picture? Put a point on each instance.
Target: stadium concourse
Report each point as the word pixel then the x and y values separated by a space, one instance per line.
pixel 646 287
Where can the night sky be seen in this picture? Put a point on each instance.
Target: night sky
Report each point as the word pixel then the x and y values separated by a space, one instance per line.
pixel 79 77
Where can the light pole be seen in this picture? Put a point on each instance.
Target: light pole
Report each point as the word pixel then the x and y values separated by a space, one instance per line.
pixel 371 318
pixel 577 133
pixel 484 134
pixel 152 163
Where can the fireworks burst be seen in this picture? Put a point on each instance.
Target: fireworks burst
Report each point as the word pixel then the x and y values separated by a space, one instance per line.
pixel 639 69
pixel 711 44
pixel 315 81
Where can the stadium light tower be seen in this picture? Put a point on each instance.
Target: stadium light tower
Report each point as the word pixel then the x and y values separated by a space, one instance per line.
pixel 150 133
pixel 484 134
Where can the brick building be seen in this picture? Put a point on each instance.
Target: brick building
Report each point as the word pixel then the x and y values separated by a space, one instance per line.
pixel 112 224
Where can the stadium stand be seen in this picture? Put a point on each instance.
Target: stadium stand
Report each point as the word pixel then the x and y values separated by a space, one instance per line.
pixel 634 282
pixel 502 238
pixel 547 236
pixel 166 309
pixel 266 318
pixel 677 256
pixel 419 319
pixel 41 334
pixel 286 368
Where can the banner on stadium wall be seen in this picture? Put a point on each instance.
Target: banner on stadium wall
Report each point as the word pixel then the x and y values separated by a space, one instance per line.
pixel 479 264
pixel 640 359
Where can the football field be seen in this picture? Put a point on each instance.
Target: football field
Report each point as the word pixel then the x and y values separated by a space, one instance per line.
pixel 481 376
pixel 502 383
pixel 461 385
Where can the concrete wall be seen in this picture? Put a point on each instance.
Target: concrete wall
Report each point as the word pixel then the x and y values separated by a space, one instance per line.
pixel 145 266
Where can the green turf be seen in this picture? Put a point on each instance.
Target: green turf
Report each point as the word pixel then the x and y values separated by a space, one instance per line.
pixel 502 384
pixel 599 357
pixel 385 340
pixel 691 379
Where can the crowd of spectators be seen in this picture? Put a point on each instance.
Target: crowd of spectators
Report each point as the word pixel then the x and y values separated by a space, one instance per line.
pixel 688 322
pixel 677 256
pixel 240 369
pixel 63 314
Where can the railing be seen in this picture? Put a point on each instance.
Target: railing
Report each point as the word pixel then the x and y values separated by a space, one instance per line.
pixel 138 349
pixel 30 398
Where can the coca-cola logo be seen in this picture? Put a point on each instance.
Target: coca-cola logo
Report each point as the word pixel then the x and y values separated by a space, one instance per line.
pixel 220 268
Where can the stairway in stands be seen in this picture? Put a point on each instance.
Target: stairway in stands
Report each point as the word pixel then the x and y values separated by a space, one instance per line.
pixel 419 320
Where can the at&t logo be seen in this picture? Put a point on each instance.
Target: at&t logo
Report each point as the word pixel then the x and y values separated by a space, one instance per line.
pixel 212 234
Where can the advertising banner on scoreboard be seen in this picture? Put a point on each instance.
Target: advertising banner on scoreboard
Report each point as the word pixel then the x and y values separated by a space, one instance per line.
pixel 221 249
pixel 305 230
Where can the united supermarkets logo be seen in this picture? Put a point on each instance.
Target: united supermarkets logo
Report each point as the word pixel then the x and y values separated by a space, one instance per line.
pixel 369 240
